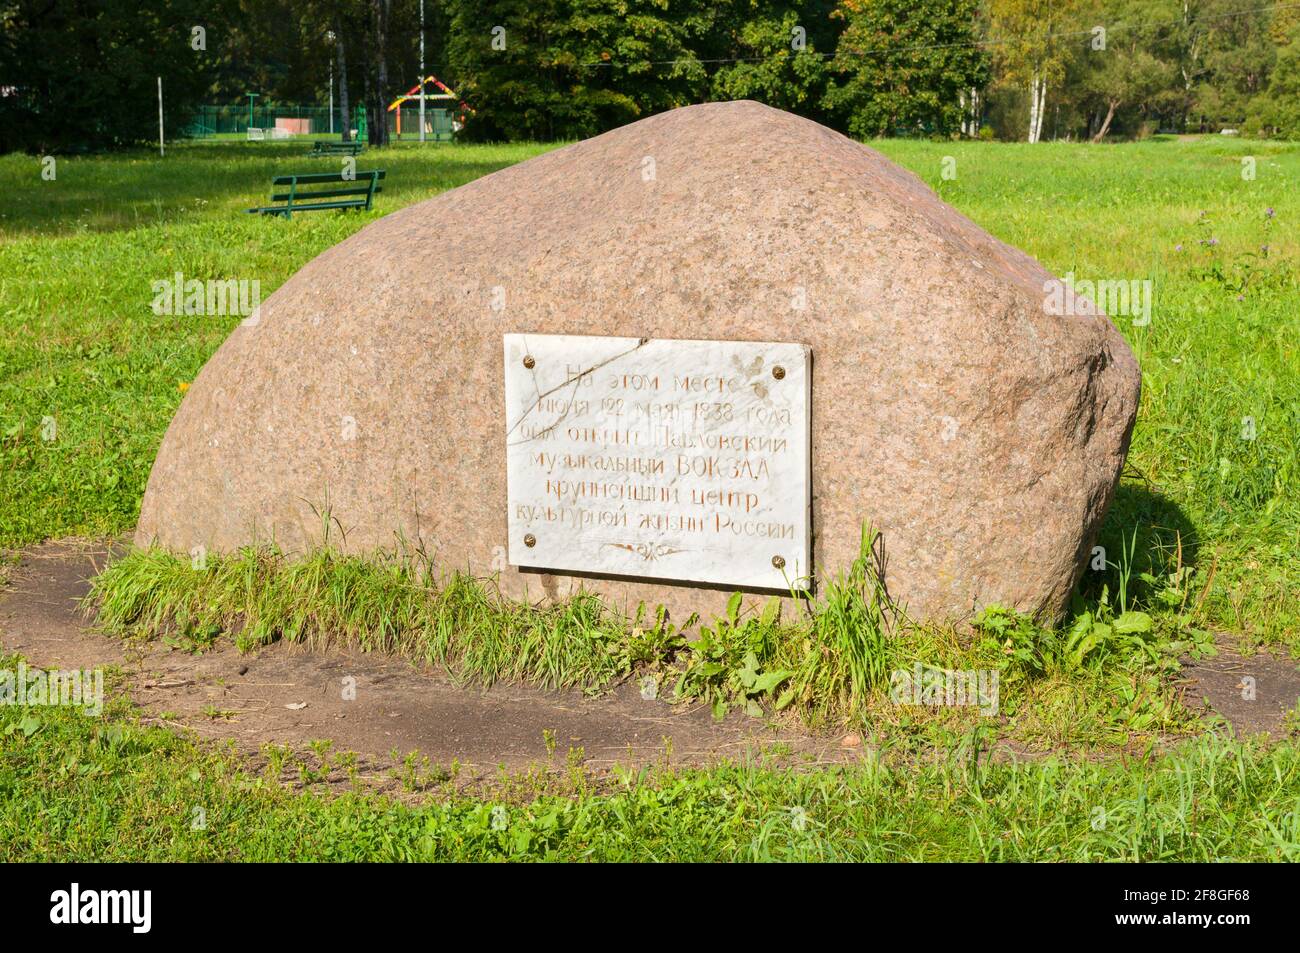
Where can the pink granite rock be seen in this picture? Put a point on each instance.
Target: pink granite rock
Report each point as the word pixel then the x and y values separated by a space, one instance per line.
pixel 983 434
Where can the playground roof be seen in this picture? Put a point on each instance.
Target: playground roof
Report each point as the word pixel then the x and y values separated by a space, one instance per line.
pixel 413 93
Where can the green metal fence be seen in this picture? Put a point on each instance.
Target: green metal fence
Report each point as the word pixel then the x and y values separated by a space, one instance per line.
pixel 294 120
pixel 316 121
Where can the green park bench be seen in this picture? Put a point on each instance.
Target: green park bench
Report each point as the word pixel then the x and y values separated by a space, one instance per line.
pixel 319 149
pixel 356 191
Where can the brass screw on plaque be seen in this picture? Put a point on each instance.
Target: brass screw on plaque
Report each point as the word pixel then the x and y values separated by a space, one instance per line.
pixel 530 540
pixel 778 372
pixel 778 562
pixel 529 362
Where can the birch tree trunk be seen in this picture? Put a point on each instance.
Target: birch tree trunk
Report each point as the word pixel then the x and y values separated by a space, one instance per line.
pixel 1033 108
pixel 1037 107
pixel 1042 109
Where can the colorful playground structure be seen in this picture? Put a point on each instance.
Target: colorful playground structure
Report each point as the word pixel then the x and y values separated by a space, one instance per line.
pixel 442 121
pixel 444 115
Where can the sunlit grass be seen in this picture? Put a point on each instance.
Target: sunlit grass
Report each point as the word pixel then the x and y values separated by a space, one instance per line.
pixel 111 789
pixel 1223 344
pixel 1217 518
pixel 833 663
pixel 78 342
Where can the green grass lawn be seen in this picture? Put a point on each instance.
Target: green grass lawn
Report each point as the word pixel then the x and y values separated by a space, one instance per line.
pixel 1210 505
pixel 78 788
pixel 78 340
pixel 79 343
pixel 1223 343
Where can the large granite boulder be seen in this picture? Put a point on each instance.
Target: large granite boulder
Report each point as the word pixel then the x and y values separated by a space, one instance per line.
pixel 982 432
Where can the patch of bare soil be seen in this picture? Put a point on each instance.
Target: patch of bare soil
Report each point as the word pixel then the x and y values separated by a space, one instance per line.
pixel 1252 693
pixel 287 695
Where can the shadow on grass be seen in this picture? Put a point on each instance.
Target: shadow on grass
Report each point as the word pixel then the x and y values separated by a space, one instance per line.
pixel 1165 541
pixel 105 193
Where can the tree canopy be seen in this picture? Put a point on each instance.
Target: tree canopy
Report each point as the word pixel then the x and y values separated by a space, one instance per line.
pixel 83 73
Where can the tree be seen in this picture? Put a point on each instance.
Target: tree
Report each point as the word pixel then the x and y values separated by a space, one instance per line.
pixel 277 48
pixel 1130 77
pixel 343 22
pixel 1122 68
pixel 1224 57
pixel 774 52
pixel 377 124
pixel 1239 55
pixel 82 74
pixel 906 64
pixel 1036 39
pixel 562 69
pixel 345 112
pixel 1277 112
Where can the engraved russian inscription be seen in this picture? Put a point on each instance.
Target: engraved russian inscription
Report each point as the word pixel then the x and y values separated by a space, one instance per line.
pixel 668 459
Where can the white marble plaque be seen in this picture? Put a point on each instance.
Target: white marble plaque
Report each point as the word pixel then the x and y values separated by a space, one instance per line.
pixel 683 460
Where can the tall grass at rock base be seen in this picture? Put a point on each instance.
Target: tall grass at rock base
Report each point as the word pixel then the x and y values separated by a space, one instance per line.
pixel 393 603
pixel 827 661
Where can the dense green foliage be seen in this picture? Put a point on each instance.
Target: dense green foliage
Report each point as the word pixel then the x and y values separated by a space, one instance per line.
pixel 553 69
pixel 565 69
pixel 900 67
pixel 84 75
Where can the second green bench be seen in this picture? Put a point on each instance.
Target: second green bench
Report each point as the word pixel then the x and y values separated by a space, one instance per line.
pixel 336 149
pixel 355 191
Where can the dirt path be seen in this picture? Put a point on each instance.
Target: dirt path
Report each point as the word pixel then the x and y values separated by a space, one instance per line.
pixel 247 697
pixel 1253 694
pixel 286 695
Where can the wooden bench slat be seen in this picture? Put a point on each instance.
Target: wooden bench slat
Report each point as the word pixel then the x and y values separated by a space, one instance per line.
pixel 311 177
pixel 315 207
pixel 323 194
pixel 336 148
